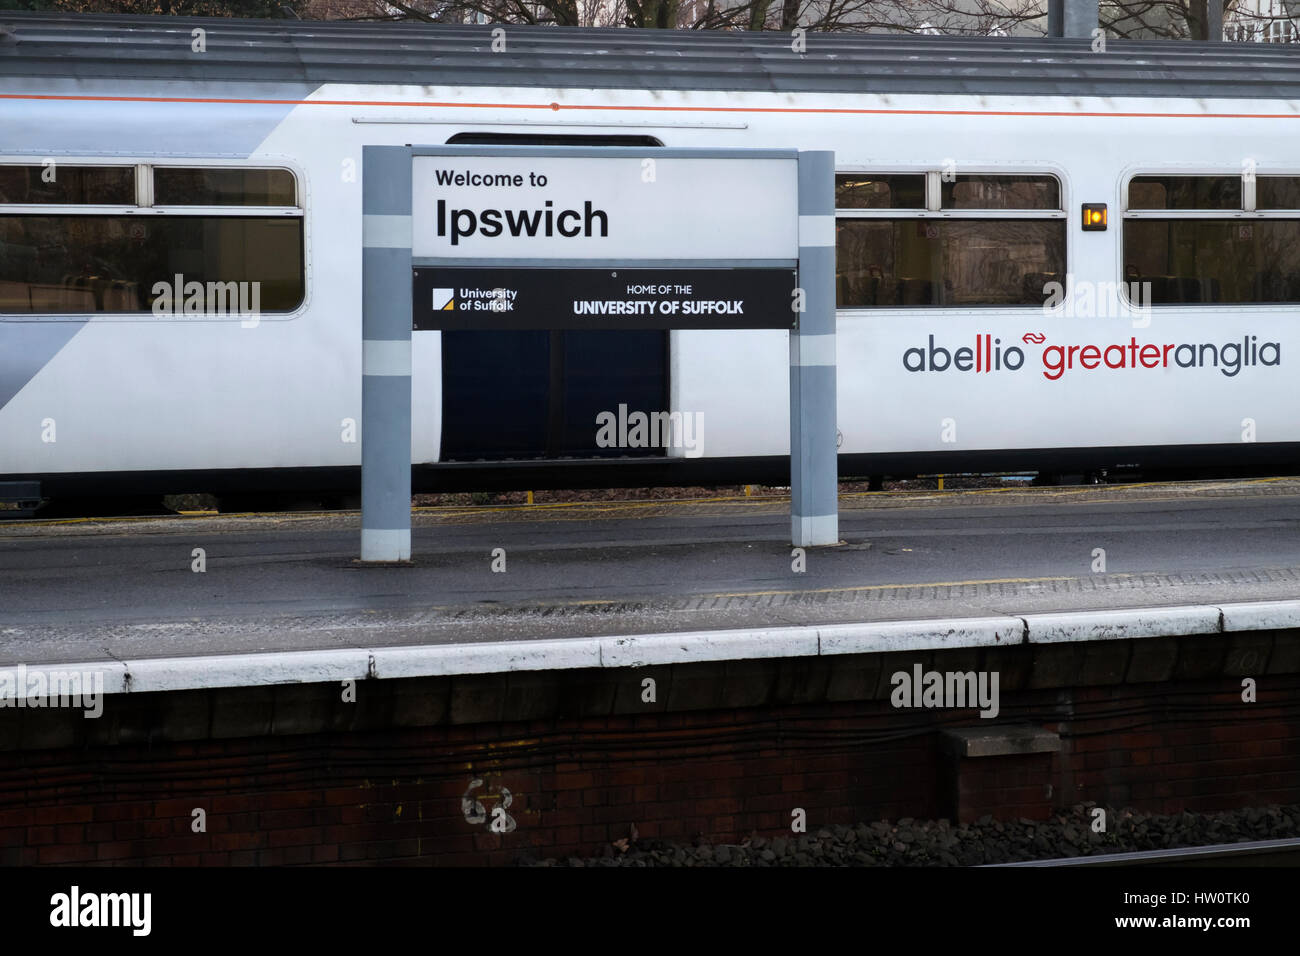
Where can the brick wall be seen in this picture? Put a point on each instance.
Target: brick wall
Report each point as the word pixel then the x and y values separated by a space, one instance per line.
pixel 294 775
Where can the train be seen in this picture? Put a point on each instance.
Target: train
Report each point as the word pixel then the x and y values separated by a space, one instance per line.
pixel 1053 255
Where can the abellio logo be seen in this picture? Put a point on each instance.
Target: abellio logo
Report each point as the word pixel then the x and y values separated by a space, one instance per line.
pixel 986 353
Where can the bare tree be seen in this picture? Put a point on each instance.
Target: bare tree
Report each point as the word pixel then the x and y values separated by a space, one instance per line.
pixel 1174 19
pixel 979 17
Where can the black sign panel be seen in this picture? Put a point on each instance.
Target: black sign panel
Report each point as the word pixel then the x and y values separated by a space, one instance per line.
pixel 513 298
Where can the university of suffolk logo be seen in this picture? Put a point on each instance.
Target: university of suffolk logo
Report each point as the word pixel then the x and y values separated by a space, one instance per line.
pixel 474 300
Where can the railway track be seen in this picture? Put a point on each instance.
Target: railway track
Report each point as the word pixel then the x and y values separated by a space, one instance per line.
pixel 1251 854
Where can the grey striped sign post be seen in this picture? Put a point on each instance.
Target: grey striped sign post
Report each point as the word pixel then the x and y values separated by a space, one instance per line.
pixel 388 310
pixel 814 488
pixel 386 353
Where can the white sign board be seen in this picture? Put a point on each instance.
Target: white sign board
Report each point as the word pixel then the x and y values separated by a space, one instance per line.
pixel 617 207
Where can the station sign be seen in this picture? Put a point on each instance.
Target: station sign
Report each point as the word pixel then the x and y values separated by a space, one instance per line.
pixel 538 298
pixel 558 237
pixel 614 207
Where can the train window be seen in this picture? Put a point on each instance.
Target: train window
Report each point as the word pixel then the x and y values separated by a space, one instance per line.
pixel 1001 192
pixel 1192 240
pixel 1185 192
pixel 70 257
pixel 79 263
pixel 949 262
pixel 1277 192
pixel 880 192
pixel 1214 260
pixel 68 185
pixel 223 186
pixel 984 240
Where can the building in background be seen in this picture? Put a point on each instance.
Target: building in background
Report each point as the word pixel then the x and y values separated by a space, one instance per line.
pixel 1263 21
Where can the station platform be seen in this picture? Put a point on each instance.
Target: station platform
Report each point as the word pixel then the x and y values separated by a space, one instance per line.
pixel 647 670
pixel 916 570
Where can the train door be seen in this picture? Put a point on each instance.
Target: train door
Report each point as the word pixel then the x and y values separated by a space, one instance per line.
pixel 536 395
pixel 519 395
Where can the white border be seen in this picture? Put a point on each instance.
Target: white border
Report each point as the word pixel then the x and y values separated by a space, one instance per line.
pixel 643 650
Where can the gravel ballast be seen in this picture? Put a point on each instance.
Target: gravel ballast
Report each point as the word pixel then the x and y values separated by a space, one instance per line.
pixel 910 842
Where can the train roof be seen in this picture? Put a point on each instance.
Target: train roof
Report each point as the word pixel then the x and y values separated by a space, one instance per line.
pixel 109 48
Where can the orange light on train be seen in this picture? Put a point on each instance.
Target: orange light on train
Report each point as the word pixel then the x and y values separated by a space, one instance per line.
pixel 1094 217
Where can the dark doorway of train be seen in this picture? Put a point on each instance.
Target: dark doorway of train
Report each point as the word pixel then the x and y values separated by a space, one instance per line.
pixel 413 282
pixel 531 394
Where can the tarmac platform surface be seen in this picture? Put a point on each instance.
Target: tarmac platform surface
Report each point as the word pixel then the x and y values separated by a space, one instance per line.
pixel 94 589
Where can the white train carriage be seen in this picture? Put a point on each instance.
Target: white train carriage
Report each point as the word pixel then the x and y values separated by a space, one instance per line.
pixel 1048 258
